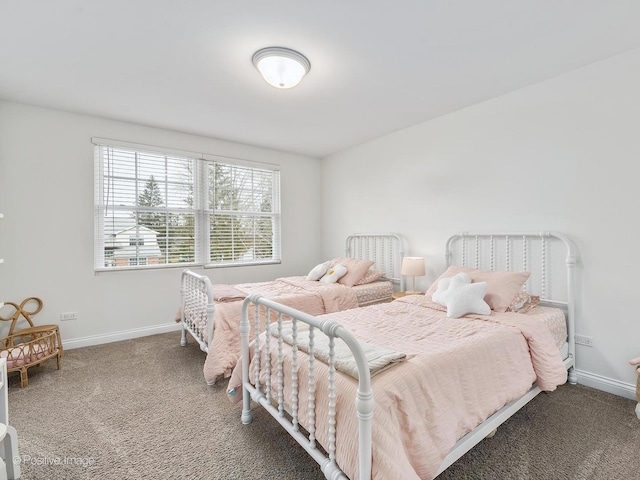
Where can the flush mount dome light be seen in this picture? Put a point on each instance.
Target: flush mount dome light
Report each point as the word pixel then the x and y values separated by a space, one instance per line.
pixel 281 67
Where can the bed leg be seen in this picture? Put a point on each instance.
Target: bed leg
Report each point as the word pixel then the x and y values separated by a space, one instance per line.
pixel 491 433
pixel 183 340
pixel 246 416
pixel 573 377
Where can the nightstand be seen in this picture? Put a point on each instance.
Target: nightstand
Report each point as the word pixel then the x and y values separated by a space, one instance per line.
pixel 398 295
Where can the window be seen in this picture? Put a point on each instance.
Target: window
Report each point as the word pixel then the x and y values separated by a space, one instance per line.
pixel 133 240
pixel 157 208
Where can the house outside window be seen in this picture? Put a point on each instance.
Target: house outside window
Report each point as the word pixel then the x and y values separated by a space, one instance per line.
pixel 161 209
pixel 135 241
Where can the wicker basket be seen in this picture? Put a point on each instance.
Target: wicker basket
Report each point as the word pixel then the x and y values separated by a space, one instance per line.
pixel 30 346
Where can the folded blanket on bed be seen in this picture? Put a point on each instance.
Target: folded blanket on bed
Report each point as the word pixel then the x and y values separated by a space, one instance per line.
pixel 227 293
pixel 378 358
pixel 221 293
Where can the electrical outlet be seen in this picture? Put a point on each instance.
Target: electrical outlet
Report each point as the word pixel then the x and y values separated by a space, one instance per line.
pixel 69 316
pixel 584 340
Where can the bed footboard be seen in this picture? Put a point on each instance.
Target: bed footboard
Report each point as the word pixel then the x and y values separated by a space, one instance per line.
pixel 285 410
pixel 197 307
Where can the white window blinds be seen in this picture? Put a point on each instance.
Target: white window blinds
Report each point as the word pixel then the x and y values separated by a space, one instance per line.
pixel 159 209
pixel 244 213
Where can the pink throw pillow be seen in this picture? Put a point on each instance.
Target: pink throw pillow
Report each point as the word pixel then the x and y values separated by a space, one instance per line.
pixel 356 269
pixel 371 276
pixel 502 289
pixel 523 302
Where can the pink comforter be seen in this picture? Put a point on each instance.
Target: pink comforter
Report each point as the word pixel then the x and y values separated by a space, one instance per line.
pixel 314 298
pixel 458 373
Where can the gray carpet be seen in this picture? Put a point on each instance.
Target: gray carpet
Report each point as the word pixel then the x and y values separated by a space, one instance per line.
pixel 140 409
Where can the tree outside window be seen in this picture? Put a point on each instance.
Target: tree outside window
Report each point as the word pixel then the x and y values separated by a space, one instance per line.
pixel 155 199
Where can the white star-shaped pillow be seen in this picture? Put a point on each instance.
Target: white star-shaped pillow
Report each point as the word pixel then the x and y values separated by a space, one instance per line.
pixel 461 296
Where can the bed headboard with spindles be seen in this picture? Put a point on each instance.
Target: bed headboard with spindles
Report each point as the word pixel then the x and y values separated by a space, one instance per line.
pixel 386 250
pixel 537 253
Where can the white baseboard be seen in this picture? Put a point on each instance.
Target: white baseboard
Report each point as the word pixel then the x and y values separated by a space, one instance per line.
pixel 606 384
pixel 70 344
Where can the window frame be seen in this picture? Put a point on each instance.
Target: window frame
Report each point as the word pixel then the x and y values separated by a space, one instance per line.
pixel 201 210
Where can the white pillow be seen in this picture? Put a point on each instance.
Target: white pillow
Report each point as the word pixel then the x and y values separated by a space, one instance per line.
pixel 443 285
pixel 318 271
pixel 461 296
pixel 334 273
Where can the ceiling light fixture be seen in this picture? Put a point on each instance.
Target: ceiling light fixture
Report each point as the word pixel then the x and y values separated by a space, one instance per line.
pixel 281 67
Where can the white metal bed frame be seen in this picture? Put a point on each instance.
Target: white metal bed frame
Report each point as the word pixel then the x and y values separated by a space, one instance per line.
pixel 196 309
pixel 8 434
pixel 286 415
pixel 386 250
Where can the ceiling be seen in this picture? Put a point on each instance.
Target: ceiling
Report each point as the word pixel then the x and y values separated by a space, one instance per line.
pixel 376 66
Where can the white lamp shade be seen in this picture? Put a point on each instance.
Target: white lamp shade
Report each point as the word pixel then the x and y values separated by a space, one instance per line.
pixel 412 266
pixel 281 67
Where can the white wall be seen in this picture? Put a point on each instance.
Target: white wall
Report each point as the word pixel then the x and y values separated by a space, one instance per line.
pixel 46 237
pixel 560 155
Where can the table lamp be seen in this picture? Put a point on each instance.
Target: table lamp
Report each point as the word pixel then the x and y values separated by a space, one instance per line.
pixel 413 267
